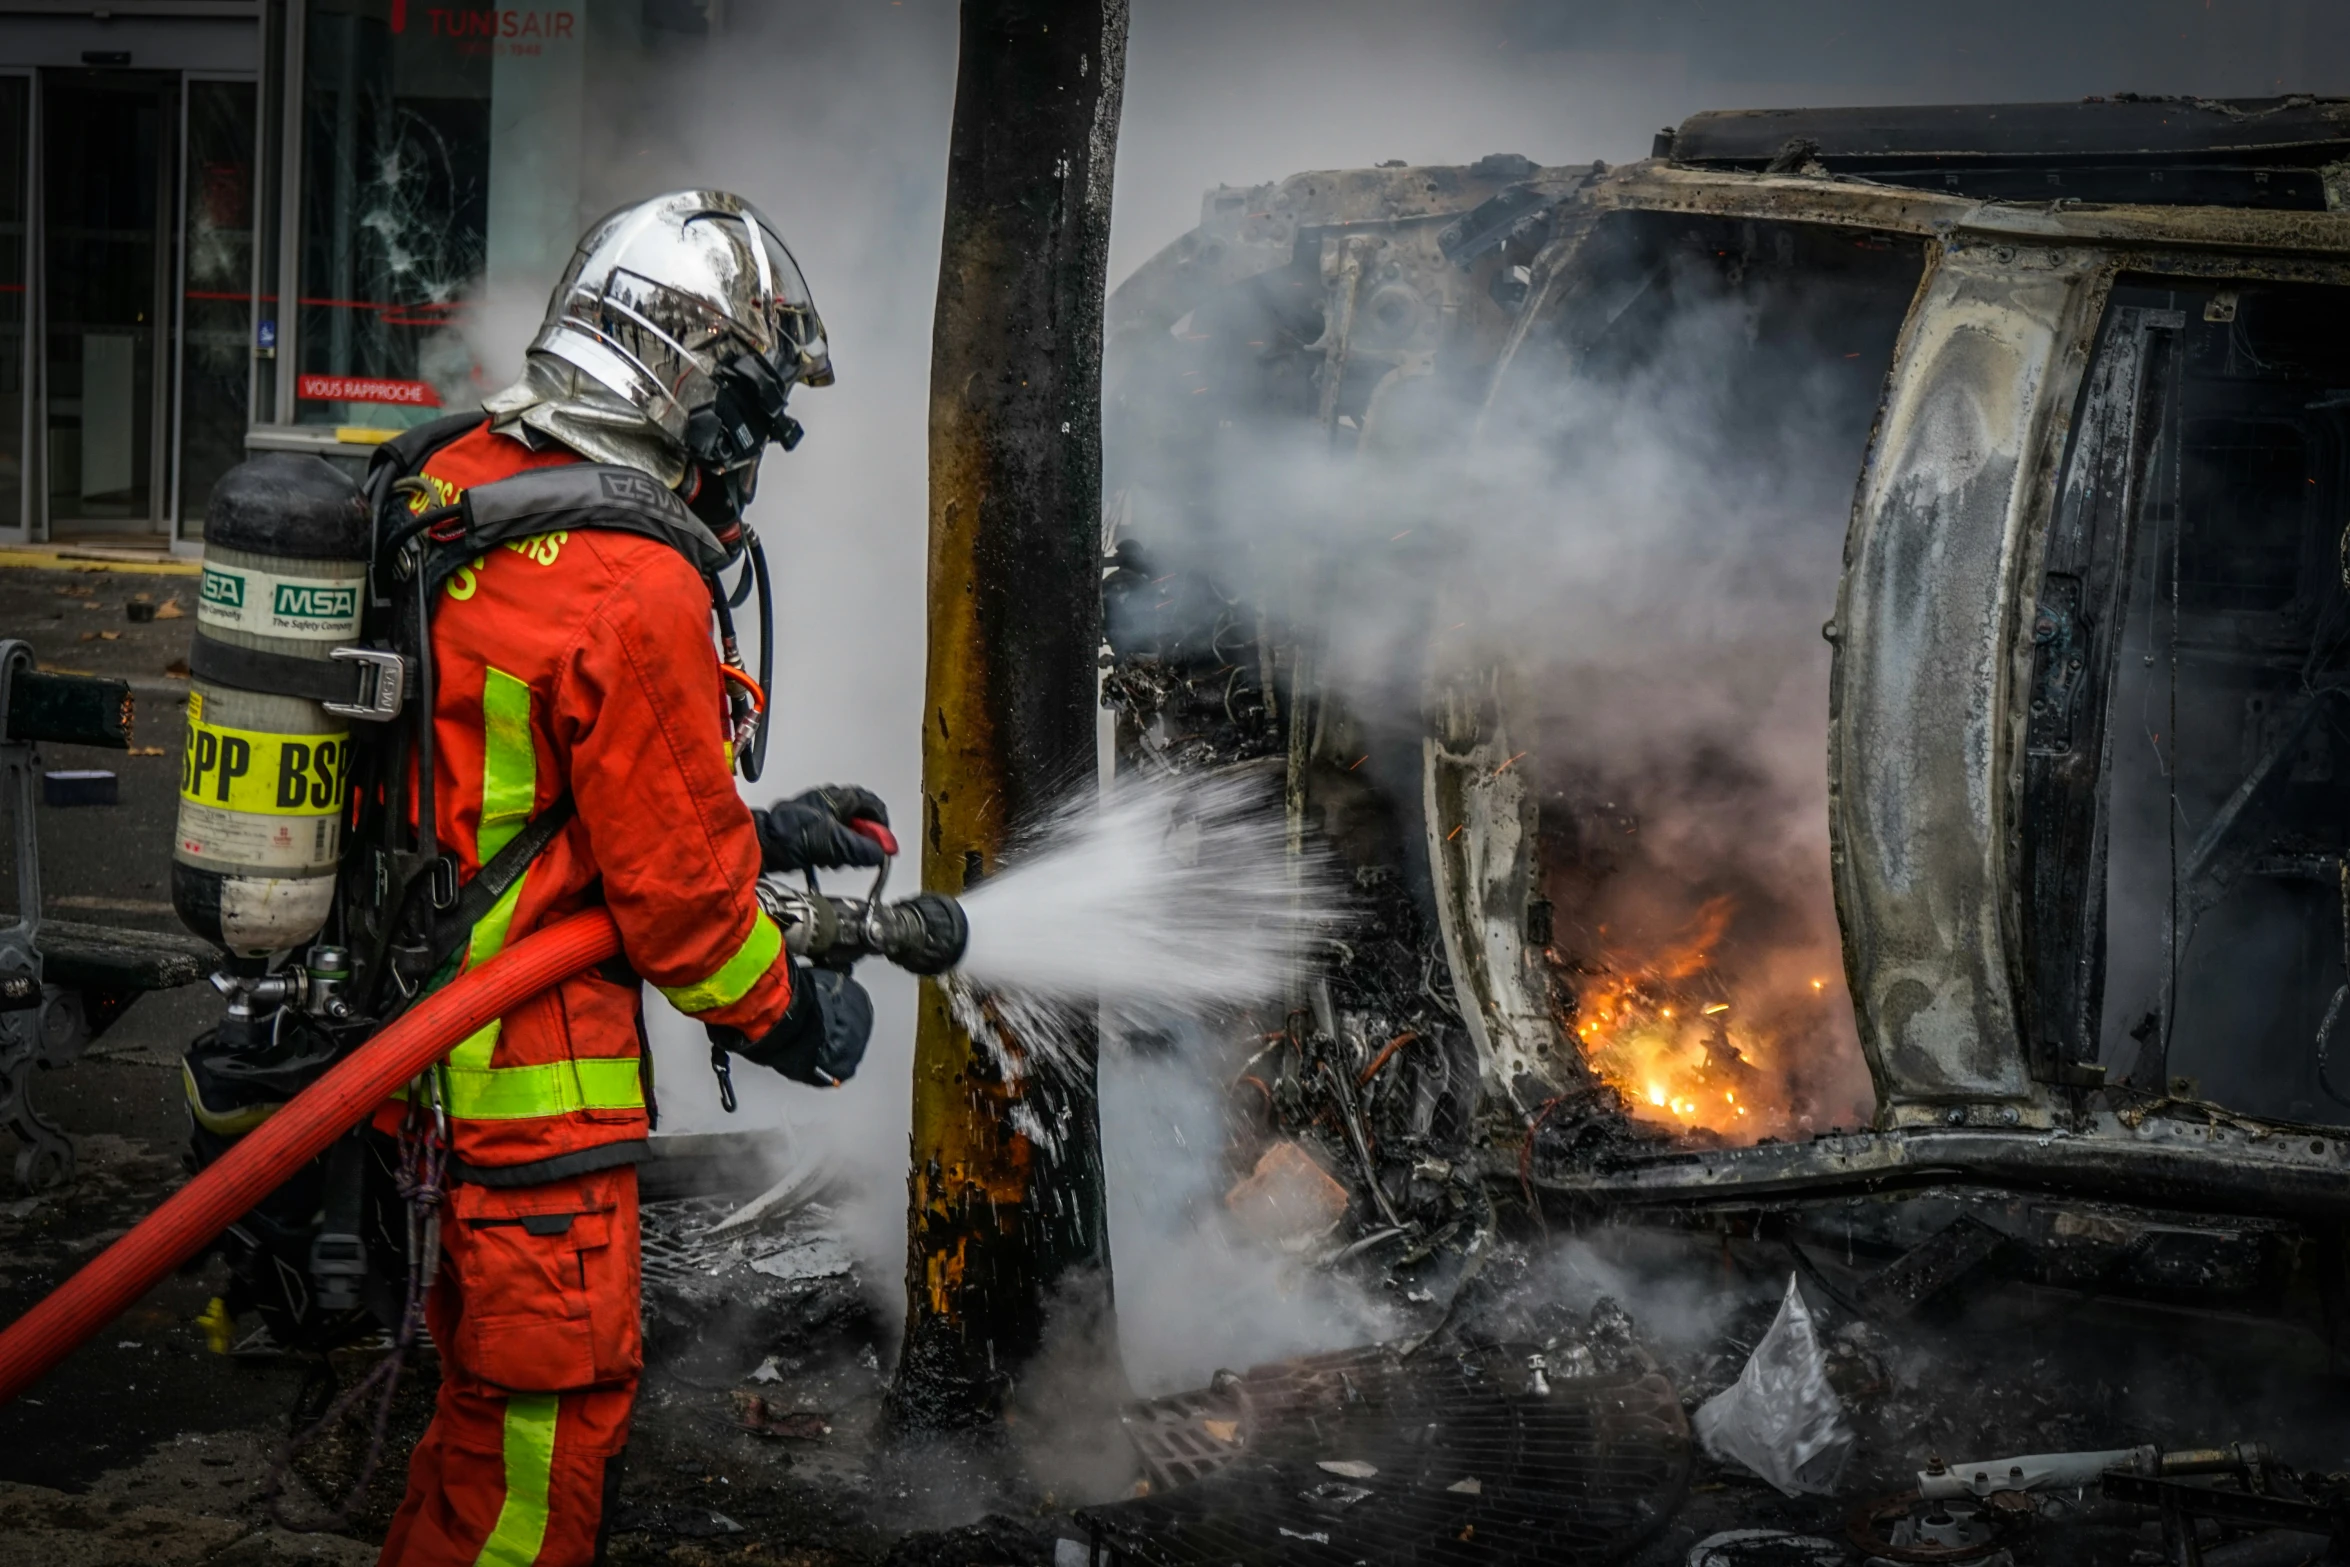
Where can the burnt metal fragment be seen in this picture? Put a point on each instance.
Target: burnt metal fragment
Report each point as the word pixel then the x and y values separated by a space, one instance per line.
pixel 1926 1271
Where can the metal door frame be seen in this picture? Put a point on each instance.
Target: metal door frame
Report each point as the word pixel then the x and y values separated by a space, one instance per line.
pixel 288 305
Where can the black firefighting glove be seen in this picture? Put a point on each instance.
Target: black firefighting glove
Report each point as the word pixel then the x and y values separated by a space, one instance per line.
pixel 822 1035
pixel 814 831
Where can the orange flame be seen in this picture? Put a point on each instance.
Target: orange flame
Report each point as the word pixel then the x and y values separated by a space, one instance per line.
pixel 1667 1035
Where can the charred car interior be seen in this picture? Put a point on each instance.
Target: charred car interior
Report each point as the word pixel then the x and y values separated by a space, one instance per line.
pixel 1910 853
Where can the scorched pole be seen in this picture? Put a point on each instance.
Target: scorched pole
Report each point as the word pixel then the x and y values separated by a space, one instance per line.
pixel 1004 1226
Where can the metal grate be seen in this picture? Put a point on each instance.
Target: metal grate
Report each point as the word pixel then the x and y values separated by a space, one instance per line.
pixel 783 1255
pixel 1457 1460
pixel 678 1255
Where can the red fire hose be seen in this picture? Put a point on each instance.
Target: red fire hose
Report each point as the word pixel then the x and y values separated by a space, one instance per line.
pixel 262 1160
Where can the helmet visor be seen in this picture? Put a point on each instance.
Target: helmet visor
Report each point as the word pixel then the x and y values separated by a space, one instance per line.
pixel 801 354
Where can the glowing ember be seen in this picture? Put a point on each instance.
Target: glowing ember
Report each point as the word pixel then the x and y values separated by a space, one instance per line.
pixel 1697 1070
pixel 1678 1040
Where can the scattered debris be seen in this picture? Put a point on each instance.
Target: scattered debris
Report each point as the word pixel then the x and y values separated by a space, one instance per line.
pixel 754 1412
pixel 678 1522
pixel 1430 1449
pixel 1288 1199
pixel 2033 1472
pixel 995 1540
pixel 806 1182
pixel 1931 1267
pixel 1765 1548
pixel 1906 1529
pixel 717 1310
pixel 1782 1418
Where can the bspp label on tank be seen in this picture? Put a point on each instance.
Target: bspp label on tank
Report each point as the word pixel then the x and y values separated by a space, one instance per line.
pixel 308 609
pixel 252 798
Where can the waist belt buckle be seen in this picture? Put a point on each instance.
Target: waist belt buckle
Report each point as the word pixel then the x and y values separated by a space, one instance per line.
pixel 383 684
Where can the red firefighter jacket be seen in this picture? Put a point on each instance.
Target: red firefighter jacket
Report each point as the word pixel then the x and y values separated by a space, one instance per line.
pixel 582 662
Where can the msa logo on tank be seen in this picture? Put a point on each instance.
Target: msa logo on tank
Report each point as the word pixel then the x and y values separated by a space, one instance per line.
pixel 301 601
pixel 310 609
pixel 253 798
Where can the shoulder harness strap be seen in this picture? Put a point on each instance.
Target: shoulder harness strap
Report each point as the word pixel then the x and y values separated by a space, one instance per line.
pixel 499 876
pixel 574 496
pixel 410 450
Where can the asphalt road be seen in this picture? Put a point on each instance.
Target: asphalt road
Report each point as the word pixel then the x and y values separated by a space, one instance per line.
pixel 109 865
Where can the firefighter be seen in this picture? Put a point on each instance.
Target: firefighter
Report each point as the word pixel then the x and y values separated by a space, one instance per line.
pixel 576 669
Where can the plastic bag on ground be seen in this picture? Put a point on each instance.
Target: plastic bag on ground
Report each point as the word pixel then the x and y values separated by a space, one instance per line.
pixel 1781 1418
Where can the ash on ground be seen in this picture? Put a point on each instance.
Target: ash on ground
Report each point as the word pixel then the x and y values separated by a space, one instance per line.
pixel 760 1435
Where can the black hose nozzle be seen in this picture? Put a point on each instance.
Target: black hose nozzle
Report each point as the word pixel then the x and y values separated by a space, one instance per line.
pixel 923 934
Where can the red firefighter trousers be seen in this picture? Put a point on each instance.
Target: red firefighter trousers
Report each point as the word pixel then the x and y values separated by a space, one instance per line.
pixel 536 1317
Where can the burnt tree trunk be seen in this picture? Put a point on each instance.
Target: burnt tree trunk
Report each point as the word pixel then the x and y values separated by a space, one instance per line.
pixel 1004 1228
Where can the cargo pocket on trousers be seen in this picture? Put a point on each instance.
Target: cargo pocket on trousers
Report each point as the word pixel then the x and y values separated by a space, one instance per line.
pixel 542 1295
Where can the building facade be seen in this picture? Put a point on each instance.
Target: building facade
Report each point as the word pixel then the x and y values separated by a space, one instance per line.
pixel 238 225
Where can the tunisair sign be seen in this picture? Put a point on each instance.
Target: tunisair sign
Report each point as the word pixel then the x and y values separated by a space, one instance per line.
pixel 493 29
pixel 499 24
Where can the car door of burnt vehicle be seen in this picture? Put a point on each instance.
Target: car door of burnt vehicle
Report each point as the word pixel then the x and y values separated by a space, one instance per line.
pixel 1825 690
pixel 2089 659
pixel 2091 646
pixel 2185 875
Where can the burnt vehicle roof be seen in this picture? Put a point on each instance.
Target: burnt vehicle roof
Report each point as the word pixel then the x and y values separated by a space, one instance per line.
pixel 2242 152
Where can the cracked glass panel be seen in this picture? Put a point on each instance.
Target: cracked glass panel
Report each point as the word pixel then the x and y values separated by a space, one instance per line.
pixel 395 211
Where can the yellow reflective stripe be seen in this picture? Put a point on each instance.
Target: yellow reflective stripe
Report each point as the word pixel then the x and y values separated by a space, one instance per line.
pixel 509 786
pixel 734 979
pixel 518 1093
pixel 530 1464
pixel 509 764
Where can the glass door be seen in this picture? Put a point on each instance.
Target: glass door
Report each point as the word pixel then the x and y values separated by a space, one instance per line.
pixel 216 290
pixel 109 175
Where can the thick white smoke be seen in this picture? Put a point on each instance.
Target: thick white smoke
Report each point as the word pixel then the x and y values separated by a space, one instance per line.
pixel 835 120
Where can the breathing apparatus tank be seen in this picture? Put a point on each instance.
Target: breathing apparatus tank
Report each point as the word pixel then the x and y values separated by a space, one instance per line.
pixel 277 680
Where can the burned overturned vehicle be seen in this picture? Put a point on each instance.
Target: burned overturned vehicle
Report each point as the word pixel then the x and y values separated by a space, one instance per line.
pixel 1823 653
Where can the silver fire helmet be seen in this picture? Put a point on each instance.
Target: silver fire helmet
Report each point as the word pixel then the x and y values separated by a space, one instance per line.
pixel 675 334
